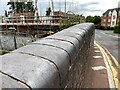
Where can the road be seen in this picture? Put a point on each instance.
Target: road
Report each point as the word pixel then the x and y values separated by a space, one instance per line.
pixel 110 41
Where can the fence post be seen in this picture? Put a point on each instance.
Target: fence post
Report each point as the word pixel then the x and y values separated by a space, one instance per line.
pixel 15 44
pixel 1 45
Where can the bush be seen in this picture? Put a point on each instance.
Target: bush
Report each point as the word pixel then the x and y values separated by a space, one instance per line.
pixel 65 23
pixel 117 29
pixel 2 52
pixel 104 27
pixel 99 27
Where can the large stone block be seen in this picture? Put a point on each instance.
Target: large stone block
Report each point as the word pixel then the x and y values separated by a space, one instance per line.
pixel 64 45
pixel 8 82
pixel 58 56
pixel 71 40
pixel 36 72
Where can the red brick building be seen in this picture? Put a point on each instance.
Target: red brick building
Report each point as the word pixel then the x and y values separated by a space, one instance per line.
pixel 62 14
pixel 110 17
pixel 58 15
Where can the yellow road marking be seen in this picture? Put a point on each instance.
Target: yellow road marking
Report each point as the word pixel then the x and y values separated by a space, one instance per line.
pixel 113 69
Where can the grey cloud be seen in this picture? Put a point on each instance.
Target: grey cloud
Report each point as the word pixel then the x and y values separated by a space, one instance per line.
pixel 88 7
pixel 89 4
pixel 85 9
pixel 79 8
pixel 61 5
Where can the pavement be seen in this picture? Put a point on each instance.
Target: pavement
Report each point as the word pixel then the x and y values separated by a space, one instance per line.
pixel 100 72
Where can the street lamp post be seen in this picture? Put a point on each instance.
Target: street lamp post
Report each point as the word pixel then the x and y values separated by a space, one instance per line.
pixel 52 6
pixel 37 16
pixel 14 37
pixel 65 6
pixel 1 44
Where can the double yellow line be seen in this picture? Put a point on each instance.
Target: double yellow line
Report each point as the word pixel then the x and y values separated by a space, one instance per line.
pixel 113 69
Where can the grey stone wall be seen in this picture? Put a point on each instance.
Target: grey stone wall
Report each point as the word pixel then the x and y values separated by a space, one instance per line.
pixel 8 42
pixel 56 61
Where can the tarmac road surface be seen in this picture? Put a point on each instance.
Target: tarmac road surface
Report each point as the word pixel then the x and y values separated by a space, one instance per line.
pixel 110 41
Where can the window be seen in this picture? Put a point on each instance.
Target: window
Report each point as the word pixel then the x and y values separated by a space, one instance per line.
pixel 104 20
pixel 114 17
pixel 119 13
pixel 103 24
pixel 109 20
pixel 110 13
pixel 113 23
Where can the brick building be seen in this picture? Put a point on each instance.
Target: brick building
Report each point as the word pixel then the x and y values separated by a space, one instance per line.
pixel 110 17
pixel 58 15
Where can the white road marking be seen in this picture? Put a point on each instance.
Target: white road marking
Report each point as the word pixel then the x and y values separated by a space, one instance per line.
pixel 97 57
pixel 95 47
pixel 96 51
pixel 96 68
pixel 109 72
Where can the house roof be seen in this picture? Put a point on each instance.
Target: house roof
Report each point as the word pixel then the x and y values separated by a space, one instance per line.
pixel 107 12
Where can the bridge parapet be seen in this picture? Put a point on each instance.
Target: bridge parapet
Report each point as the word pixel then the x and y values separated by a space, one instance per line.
pixel 56 61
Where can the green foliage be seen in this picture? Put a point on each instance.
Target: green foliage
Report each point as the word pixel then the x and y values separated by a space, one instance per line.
pixel 21 7
pixel 65 23
pixel 96 19
pixel 73 19
pixel 1 17
pixel 48 11
pixel 33 38
pixel 50 32
pixel 21 43
pixel 104 27
pixel 89 19
pixel 2 52
pixel 117 28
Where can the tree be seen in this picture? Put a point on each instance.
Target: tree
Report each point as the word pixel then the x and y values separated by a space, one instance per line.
pixel 20 7
pixel 6 14
pixel 48 11
pixel 96 20
pixel 89 19
pixel 1 17
pixel 11 8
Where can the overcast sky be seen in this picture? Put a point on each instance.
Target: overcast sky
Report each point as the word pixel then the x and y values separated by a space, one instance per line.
pixel 85 7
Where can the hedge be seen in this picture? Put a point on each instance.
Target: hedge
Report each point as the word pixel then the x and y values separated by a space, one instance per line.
pixel 104 27
pixel 117 29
